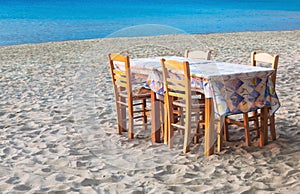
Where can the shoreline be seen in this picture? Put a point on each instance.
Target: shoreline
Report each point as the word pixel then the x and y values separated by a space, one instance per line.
pixel 193 34
pixel 59 132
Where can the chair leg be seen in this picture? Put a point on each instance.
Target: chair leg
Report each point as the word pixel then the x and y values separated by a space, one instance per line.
pixel 161 118
pixel 121 116
pixel 166 131
pixel 181 119
pixel 220 137
pixel 256 124
pixel 272 127
pixel 166 125
pixel 263 136
pixel 170 134
pixel 170 118
pixel 226 135
pixel 196 136
pixel 144 118
pixel 247 132
pixel 130 122
pixel 220 133
pixel 187 132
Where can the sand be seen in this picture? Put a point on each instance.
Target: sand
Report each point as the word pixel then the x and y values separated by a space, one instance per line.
pixel 58 128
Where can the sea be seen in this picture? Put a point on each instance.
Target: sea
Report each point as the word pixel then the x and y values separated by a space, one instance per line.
pixel 35 21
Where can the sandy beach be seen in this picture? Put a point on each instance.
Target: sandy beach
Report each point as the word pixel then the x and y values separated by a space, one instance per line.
pixel 58 127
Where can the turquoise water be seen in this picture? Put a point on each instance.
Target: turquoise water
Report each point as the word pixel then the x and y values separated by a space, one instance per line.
pixel 33 21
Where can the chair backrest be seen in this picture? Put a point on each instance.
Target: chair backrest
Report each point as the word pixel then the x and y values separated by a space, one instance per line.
pixel 197 54
pixel 177 81
pixel 121 74
pixel 266 58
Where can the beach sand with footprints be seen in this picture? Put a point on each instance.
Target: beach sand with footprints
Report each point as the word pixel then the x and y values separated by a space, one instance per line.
pixel 58 126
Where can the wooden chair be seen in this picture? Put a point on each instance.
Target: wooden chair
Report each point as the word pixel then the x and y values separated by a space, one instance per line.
pixel 197 54
pixel 264 58
pixel 178 94
pixel 126 96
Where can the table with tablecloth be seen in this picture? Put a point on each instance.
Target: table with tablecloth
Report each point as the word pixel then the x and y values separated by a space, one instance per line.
pixel 229 88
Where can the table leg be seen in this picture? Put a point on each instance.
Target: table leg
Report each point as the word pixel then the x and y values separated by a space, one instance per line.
pixel 264 126
pixel 155 114
pixel 209 127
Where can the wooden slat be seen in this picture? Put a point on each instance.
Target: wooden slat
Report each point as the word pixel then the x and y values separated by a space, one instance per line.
pixel 235 122
pixel 143 124
pixel 178 126
pixel 123 103
pixel 137 104
pixel 264 57
pixel 197 54
pixel 139 111
pixel 138 117
pixel 118 57
pixel 176 87
pixel 171 64
pixel 118 72
pixel 174 94
pixel 121 84
pixel 176 81
pixel 119 77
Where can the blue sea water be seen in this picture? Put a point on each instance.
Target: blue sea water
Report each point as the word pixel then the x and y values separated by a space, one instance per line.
pixel 33 21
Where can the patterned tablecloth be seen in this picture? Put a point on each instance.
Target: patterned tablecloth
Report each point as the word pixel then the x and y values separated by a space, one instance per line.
pixel 234 88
